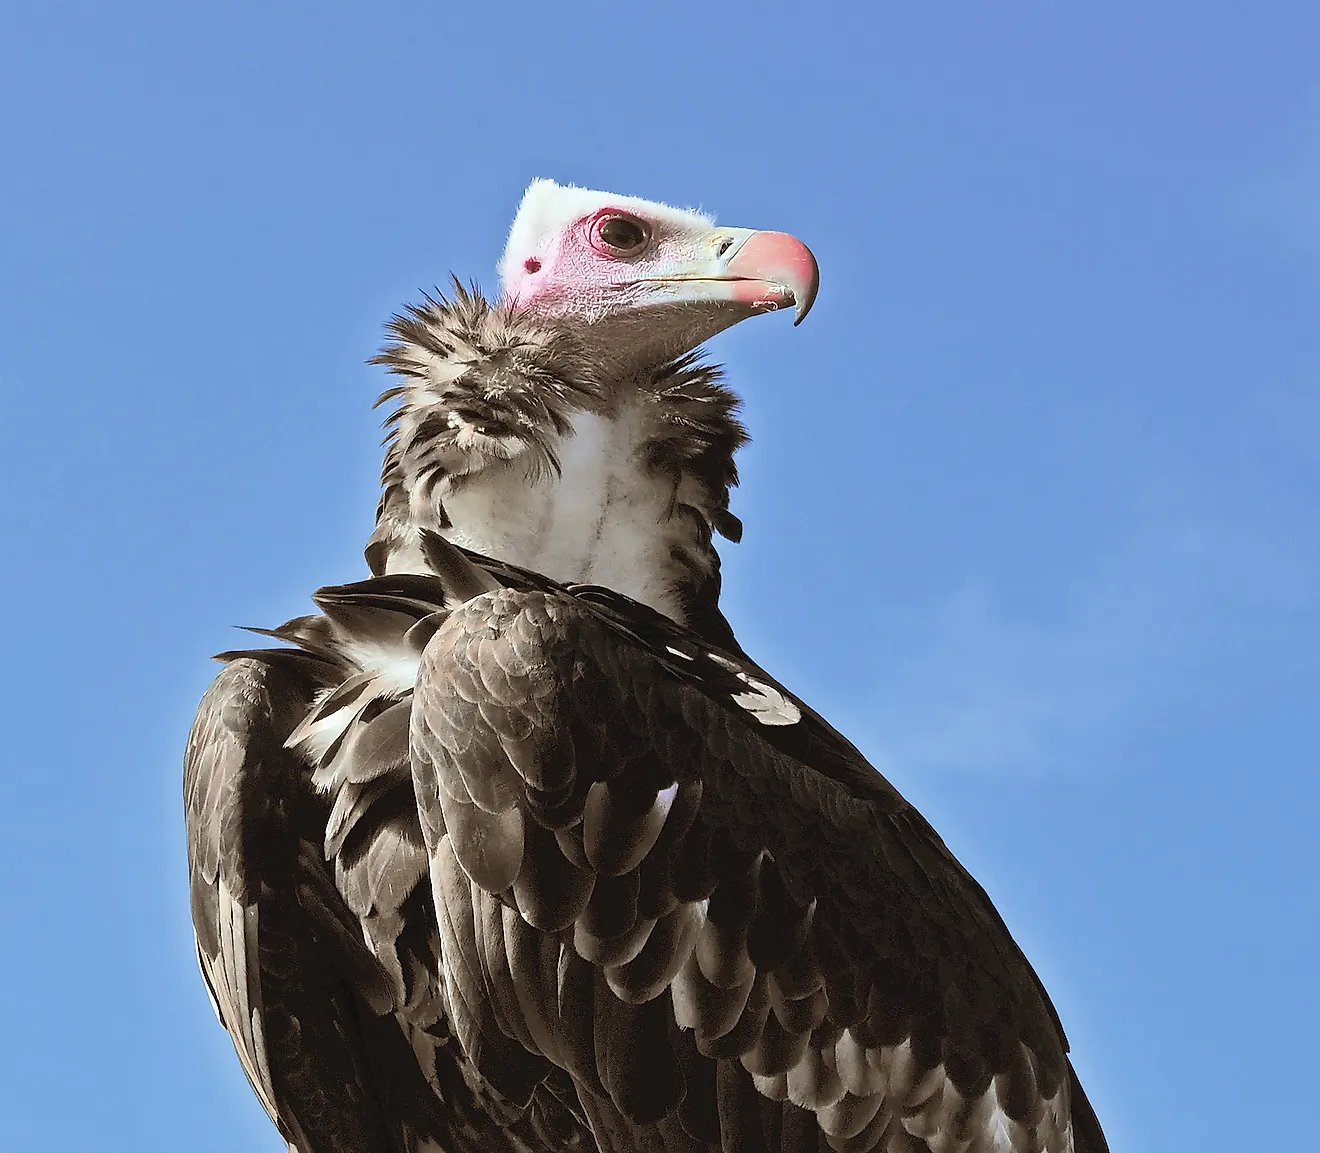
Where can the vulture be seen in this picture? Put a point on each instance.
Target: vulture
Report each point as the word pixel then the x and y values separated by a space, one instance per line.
pixel 510 848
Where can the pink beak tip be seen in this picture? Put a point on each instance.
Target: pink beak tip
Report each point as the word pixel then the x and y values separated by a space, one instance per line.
pixel 777 258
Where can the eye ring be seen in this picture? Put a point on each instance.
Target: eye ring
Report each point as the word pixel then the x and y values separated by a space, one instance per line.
pixel 618 234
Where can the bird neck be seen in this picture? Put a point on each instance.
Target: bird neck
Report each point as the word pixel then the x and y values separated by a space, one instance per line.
pixel 511 442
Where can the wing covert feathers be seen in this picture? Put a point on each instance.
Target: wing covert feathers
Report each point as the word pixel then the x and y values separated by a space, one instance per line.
pixel 659 872
pixel 487 863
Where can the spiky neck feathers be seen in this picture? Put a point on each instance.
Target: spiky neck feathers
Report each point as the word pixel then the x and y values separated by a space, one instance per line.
pixel 511 439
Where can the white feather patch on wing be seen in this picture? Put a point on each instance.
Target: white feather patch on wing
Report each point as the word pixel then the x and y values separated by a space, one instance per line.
pixel 393 678
pixel 765 702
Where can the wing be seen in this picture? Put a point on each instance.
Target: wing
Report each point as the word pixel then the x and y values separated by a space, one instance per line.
pixel 304 1002
pixel 656 869
pixel 345 765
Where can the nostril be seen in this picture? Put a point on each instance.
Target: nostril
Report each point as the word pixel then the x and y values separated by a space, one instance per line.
pixel 532 264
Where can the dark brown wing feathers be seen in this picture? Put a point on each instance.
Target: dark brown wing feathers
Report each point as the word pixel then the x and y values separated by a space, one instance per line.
pixel 674 859
pixel 617 887
pixel 290 979
pixel 298 768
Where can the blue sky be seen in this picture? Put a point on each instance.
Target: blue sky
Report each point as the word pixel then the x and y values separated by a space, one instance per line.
pixel 1031 508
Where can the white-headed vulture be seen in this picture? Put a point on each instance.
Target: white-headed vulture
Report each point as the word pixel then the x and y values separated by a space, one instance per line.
pixel 510 847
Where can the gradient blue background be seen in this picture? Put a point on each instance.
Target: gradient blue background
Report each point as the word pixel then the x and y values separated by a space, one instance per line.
pixel 1031 509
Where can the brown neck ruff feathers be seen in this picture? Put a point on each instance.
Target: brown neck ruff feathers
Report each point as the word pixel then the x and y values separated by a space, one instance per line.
pixel 488 392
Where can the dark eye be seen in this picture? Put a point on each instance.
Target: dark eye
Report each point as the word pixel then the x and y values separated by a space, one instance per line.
pixel 622 233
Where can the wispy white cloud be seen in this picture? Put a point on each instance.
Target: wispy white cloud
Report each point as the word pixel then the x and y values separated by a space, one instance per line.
pixel 1170 622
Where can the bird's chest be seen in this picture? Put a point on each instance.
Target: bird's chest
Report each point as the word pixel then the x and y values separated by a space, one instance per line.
pixel 605 519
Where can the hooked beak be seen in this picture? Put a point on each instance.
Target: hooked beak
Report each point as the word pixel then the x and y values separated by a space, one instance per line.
pixel 766 270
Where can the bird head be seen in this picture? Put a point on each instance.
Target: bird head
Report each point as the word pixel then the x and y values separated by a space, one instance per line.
pixel 641 282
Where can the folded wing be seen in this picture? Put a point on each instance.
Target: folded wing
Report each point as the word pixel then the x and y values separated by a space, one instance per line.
pixel 287 971
pixel 311 903
pixel 657 870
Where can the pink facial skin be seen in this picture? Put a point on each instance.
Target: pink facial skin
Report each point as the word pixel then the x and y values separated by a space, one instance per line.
pixel 574 272
pixel 592 268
